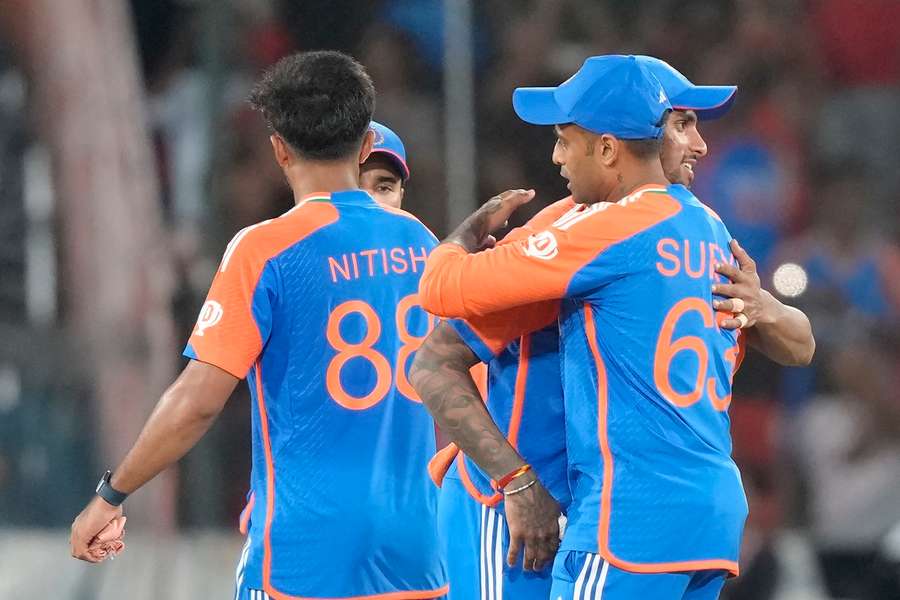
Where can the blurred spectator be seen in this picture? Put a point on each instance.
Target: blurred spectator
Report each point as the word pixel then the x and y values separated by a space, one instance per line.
pixel 853 271
pixel 775 564
pixel 860 52
pixel 849 441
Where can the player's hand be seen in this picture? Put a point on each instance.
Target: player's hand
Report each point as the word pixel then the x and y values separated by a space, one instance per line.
pixel 744 296
pixel 497 210
pixel 532 517
pixel 92 520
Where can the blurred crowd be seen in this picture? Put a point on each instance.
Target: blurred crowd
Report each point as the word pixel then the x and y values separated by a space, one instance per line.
pixel 803 171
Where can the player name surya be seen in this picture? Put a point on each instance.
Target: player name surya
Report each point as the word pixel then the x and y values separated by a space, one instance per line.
pixel 376 262
pixel 690 257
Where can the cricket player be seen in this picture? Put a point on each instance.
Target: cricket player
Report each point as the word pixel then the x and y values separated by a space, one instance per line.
pixel 592 560
pixel 385 172
pixel 318 310
pixel 525 390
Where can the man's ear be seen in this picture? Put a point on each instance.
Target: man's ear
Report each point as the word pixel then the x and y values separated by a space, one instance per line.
pixel 607 149
pixel 281 150
pixel 368 143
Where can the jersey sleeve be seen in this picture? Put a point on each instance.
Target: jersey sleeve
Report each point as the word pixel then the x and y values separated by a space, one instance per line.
pixel 564 260
pixel 488 335
pixel 236 318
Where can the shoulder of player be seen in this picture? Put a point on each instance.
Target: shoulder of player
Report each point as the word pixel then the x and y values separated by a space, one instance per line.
pixel 550 213
pixel 642 208
pixel 262 241
pixel 399 212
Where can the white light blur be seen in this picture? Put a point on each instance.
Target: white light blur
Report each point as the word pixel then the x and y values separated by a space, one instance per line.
pixel 790 280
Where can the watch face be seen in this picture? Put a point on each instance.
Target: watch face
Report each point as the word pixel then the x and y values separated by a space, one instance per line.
pixel 103 480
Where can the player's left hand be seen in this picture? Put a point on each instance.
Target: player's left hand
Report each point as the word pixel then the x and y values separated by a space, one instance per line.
pixel 87 525
pixel 744 295
pixel 532 519
pixel 495 213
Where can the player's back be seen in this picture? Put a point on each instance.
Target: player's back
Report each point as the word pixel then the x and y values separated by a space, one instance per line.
pixel 647 379
pixel 342 505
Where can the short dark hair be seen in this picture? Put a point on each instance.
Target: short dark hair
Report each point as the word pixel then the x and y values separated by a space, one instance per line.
pixel 320 102
pixel 644 149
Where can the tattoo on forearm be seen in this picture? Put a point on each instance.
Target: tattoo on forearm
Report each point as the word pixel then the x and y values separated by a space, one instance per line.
pixel 440 375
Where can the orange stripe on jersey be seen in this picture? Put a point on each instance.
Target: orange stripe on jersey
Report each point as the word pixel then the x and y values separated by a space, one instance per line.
pixel 742 349
pixel 479 375
pixel 458 284
pixel 226 334
pixel 608 466
pixel 270 479
pixel 518 407
pixel 515 422
pixel 440 463
pixel 245 514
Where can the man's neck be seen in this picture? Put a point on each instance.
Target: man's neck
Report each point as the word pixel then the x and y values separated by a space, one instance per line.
pixel 311 177
pixel 649 173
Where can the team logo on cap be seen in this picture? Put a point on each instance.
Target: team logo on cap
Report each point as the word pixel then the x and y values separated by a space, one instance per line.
pixel 210 314
pixel 542 245
pixel 379 137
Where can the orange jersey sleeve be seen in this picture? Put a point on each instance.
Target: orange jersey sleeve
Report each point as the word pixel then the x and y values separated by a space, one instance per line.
pixel 488 335
pixel 236 318
pixel 540 267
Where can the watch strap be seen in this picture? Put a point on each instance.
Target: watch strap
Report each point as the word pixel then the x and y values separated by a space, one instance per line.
pixel 106 491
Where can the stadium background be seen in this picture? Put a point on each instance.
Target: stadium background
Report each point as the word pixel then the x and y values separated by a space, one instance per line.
pixel 128 158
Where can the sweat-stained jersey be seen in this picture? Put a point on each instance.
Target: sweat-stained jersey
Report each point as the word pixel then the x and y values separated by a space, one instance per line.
pixel 646 370
pixel 318 310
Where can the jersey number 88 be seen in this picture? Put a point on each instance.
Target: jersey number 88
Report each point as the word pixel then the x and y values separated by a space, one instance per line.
pixel 364 349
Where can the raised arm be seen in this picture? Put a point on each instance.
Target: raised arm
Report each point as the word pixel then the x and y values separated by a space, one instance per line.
pixel 782 333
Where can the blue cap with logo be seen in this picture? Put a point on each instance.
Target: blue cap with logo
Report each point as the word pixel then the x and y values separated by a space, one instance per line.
pixel 388 144
pixel 613 94
pixel 708 101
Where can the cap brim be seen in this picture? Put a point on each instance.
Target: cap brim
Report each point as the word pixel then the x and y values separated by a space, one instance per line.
pixel 537 106
pixel 395 158
pixel 708 101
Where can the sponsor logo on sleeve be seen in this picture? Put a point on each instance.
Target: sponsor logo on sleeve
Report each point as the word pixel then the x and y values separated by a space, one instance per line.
pixel 210 314
pixel 542 245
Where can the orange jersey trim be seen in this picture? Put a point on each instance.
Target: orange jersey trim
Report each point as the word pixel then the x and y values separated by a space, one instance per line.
pixel 440 463
pixel 606 493
pixel 244 521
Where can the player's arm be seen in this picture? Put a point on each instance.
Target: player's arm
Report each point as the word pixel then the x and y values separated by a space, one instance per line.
pixel 182 416
pixel 568 259
pixel 441 376
pixel 782 333
pixel 230 333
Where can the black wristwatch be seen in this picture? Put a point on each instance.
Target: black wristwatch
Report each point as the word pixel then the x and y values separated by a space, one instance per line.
pixel 108 492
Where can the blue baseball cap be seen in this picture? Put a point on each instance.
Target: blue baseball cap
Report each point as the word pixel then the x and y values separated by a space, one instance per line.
pixel 708 101
pixel 613 94
pixel 390 145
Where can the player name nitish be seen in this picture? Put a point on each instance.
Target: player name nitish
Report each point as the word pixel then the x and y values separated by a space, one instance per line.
pixel 376 262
